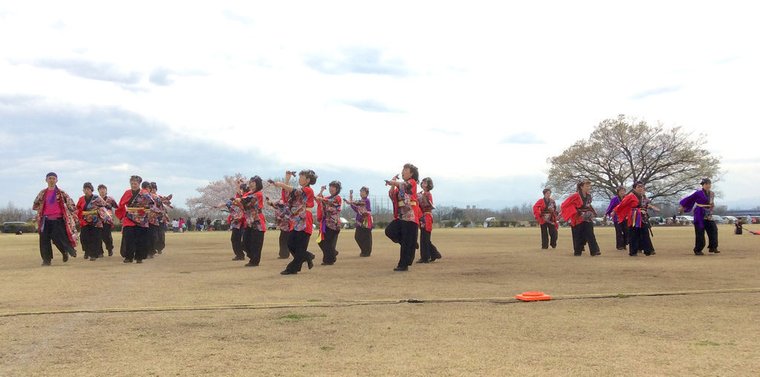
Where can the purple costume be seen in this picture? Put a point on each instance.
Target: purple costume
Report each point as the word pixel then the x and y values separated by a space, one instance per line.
pixel 700 214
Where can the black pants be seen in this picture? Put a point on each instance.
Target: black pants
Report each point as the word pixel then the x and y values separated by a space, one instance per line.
pixel 298 243
pixel 152 239
pixel 363 237
pixel 91 243
pixel 548 230
pixel 428 251
pixel 135 242
pixel 621 235
pixel 576 238
pixel 55 231
pixel 640 240
pixel 284 251
pixel 106 237
pixel 236 239
pixel 253 241
pixel 328 246
pixel 393 231
pixel 712 235
pixel 585 235
pixel 159 242
pixel 408 238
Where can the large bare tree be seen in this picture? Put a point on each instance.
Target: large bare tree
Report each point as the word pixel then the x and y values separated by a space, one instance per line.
pixel 621 151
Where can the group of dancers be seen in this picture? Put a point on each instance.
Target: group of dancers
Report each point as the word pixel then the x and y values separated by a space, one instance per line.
pixel 629 210
pixel 141 210
pixel 143 215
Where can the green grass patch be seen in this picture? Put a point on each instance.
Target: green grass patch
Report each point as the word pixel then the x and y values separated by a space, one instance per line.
pixel 299 317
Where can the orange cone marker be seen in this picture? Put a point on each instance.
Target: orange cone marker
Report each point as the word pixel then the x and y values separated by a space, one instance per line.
pixel 533 296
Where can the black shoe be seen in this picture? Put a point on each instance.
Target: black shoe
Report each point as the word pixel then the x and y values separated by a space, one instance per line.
pixel 577 254
pixel 310 261
pixel 110 253
pixel 160 252
pixel 328 263
pixel 73 253
pixel 127 260
pixel 436 256
pixel 544 248
pixel 364 255
pixel 647 254
pixel 401 268
pixel 150 256
pixel 283 257
pixel 598 253
pixel 699 253
pixel 238 258
pixel 93 258
pixel 45 263
pixel 65 257
pixel 139 261
pixel 423 261
pixel 652 253
pixel 633 255
pixel 715 251
pixel 288 272
pixel 251 264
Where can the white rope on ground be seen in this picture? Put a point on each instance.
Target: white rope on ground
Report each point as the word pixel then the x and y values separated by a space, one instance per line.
pixel 349 303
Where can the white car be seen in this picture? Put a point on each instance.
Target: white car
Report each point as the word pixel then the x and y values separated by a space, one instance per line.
pixel 719 219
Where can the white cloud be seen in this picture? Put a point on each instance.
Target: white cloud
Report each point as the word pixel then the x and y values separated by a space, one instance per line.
pixel 440 84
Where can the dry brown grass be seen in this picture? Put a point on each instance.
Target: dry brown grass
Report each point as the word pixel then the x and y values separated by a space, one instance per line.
pixel 349 319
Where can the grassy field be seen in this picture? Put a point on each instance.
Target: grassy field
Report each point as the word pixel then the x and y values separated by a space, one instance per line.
pixel 193 311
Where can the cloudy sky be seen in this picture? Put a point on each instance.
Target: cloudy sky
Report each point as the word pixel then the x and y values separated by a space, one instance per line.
pixel 478 94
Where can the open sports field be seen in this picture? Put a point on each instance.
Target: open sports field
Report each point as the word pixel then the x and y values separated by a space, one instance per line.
pixel 193 311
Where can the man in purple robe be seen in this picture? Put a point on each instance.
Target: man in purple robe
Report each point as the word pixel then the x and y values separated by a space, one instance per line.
pixel 702 202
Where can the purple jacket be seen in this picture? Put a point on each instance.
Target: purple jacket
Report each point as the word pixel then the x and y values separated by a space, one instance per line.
pixel 613 203
pixel 688 203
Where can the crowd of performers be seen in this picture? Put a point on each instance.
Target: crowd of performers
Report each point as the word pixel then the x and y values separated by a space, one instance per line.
pixel 629 210
pixel 141 210
pixel 143 215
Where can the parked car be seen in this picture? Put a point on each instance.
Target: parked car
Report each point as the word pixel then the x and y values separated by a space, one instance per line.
pixel 719 219
pixel 730 219
pixel 656 220
pixel 18 227
pixel 685 220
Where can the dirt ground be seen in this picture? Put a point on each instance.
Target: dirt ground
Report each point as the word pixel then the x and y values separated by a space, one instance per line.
pixel 193 311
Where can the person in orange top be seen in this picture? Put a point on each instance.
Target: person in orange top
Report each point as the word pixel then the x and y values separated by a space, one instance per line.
pixel 256 224
pixel 428 251
pixel 545 211
pixel 577 210
pixel 408 215
pixel 90 211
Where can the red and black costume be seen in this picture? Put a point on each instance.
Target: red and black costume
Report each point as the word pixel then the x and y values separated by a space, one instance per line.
pixel 300 200
pixel 90 212
pixel 428 251
pixel 577 210
pixel 364 224
pixel 328 216
pixel 545 212
pixel 255 225
pixel 133 211
pixel 237 222
pixel 632 211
